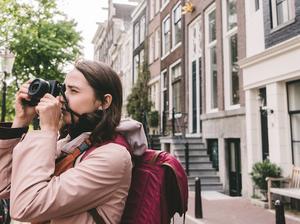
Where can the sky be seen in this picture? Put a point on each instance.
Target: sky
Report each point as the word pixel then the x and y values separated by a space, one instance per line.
pixel 86 13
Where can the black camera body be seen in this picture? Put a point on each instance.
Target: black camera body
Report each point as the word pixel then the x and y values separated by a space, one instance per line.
pixel 39 87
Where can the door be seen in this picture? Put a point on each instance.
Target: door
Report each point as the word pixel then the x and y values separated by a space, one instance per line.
pixel 234 167
pixel 264 123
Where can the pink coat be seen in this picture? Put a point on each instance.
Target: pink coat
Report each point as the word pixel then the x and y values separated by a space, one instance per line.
pixel 101 180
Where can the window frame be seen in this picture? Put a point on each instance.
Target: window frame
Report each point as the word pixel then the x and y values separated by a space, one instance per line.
pixel 171 82
pixel 208 69
pixel 274 14
pixel 175 23
pixel 164 52
pixel 228 78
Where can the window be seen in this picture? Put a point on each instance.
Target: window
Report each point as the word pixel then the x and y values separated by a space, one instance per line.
pixel 136 66
pixel 235 99
pixel 231 81
pixel 294 111
pixel 142 29
pixel 211 59
pixel 282 11
pixel 256 2
pixel 166 36
pixel 175 77
pixel 214 78
pixel 142 58
pixel 231 14
pixel 136 35
pixel 165 94
pixel 177 25
pixel 151 48
pixel 157 44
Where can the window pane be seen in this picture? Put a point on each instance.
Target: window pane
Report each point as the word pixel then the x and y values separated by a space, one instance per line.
pixel 256 5
pixel 234 70
pixel 176 72
pixel 136 35
pixel 214 78
pixel 167 36
pixel 157 45
pixel 143 28
pixel 231 14
pixel 176 96
pixel 177 25
pixel 295 118
pixel 296 153
pixel 177 30
pixel 212 26
pixel 282 11
pixel 294 96
pixel 136 62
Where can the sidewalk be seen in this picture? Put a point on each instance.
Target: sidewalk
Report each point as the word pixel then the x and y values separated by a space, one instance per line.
pixel 223 209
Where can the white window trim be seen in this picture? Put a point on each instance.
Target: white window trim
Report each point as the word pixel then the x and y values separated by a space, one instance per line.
pixel 157 8
pixel 173 27
pixel 227 73
pixel 208 46
pixel 152 10
pixel 171 89
pixel 292 14
pixel 162 89
pixel 191 59
pixel 157 44
pixel 164 5
pixel 164 55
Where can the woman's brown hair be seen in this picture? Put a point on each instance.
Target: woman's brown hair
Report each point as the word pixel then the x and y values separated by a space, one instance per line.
pixel 104 80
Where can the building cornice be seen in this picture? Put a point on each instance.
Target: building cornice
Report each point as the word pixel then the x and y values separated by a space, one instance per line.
pixel 138 10
pixel 272 52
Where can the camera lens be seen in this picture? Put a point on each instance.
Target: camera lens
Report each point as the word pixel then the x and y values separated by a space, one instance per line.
pixel 38 88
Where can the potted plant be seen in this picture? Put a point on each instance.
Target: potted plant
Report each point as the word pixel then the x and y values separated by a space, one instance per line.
pixel 262 170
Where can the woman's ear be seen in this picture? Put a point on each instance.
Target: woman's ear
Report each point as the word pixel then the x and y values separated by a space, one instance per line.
pixel 107 101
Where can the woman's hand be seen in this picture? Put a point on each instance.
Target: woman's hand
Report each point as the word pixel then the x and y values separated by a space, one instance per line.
pixel 24 113
pixel 49 110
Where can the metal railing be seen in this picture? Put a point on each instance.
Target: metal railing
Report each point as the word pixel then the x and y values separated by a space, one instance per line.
pixel 176 126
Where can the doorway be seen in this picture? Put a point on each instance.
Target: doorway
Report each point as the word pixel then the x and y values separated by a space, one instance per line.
pixel 234 166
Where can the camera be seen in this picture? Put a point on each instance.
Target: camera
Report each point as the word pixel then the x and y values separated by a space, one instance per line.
pixel 39 87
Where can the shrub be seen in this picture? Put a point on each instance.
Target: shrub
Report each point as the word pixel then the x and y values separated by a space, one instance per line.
pixel 261 170
pixel 153 118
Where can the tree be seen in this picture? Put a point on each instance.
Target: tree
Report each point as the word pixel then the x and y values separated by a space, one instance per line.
pixel 138 102
pixel 43 40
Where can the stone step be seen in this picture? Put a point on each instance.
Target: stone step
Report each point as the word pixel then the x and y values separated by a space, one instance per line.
pixel 208 187
pixel 191 153
pixel 202 171
pixel 198 165
pixel 204 179
pixel 192 158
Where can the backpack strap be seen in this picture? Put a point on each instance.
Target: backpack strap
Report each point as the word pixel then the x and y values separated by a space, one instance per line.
pixel 119 139
pixel 97 218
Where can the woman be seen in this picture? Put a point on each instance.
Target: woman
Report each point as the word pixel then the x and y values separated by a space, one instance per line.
pixel 91 107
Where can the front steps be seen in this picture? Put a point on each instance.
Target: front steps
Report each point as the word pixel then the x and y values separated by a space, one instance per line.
pixel 199 163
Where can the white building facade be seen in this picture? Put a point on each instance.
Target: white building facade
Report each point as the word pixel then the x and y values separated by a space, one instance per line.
pixel 272 83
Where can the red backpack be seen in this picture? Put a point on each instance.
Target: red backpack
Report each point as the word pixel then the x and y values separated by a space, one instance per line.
pixel 158 189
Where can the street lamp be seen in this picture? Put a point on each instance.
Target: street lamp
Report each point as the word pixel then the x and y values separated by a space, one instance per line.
pixel 6 64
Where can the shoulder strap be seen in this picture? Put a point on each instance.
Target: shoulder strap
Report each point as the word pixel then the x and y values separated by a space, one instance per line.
pixel 97 218
pixel 68 162
pixel 119 139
